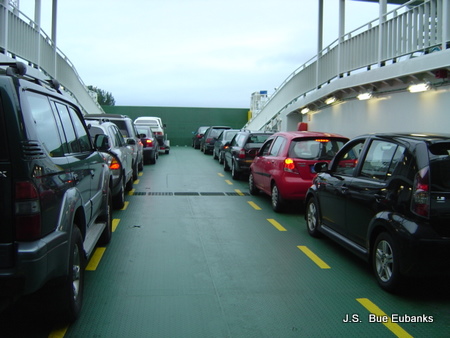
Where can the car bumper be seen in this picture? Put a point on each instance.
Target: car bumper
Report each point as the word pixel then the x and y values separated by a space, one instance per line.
pixel 293 187
pixel 36 263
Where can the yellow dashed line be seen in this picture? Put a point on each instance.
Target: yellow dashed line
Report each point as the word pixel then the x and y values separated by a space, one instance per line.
pixel 136 182
pixel 95 259
pixel 141 173
pixel 239 192
pixel 220 174
pixel 376 311
pixel 229 182
pixel 131 192
pixel 125 205
pixel 115 223
pixel 276 224
pixel 314 257
pixel 58 333
pixel 254 205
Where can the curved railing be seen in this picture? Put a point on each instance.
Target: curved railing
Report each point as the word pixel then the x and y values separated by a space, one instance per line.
pixel 406 31
pixel 22 39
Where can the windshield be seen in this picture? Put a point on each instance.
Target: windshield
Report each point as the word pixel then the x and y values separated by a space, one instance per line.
pixel 440 166
pixel 315 149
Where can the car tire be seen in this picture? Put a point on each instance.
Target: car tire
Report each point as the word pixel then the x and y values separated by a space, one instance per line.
pixel 215 157
pixel 68 295
pixel 313 218
pixel 225 165
pixel 106 235
pixel 277 201
pixel 235 174
pixel 119 199
pixel 129 185
pixel 141 163
pixel 153 157
pixel 220 158
pixel 251 185
pixel 385 262
pixel 135 171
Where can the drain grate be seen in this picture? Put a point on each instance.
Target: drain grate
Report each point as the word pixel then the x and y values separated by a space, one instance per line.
pixel 185 193
pixel 188 193
pixel 160 193
pixel 212 194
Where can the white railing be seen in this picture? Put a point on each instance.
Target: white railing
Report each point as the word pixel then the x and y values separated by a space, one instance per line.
pixel 21 39
pixel 405 31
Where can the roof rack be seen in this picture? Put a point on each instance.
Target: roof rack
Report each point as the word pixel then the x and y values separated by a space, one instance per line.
pixel 20 69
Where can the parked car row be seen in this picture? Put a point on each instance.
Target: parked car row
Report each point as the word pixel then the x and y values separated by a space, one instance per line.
pixel 384 197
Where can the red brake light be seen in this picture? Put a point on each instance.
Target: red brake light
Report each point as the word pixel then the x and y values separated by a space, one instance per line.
pixel 148 143
pixel 421 193
pixel 241 153
pixel 27 212
pixel 115 165
pixel 289 165
pixel 322 140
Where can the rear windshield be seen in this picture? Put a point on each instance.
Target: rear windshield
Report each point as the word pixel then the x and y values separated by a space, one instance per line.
pixel 3 144
pixel 255 138
pixel 315 149
pixel 440 166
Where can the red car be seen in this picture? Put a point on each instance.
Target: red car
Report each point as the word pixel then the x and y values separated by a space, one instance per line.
pixel 283 167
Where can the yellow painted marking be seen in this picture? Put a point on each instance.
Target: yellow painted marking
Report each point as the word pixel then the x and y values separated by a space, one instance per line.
pixel 115 223
pixel 220 174
pixel 314 257
pixel 125 206
pixel 58 333
pixel 95 259
pixel 253 204
pixel 136 182
pixel 141 173
pixel 229 182
pixel 375 310
pixel 276 224
pixel 239 192
pixel 131 192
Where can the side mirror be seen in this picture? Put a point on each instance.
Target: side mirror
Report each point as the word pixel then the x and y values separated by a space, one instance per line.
pixel 142 135
pixel 131 141
pixel 320 167
pixel 101 142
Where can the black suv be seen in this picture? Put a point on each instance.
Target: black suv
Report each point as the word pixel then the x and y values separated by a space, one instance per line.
pixel 239 153
pixel 131 135
pixel 386 198
pixel 209 138
pixel 55 201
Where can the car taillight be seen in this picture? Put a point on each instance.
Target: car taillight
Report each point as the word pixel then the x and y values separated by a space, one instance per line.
pixel 289 166
pixel 158 133
pixel 420 204
pixel 208 140
pixel 27 212
pixel 148 143
pixel 199 135
pixel 115 164
pixel 241 153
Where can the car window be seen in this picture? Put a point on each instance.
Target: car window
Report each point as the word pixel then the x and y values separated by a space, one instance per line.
pixel 83 137
pixel 440 167
pixel 277 146
pixel 45 124
pixel 315 149
pixel 122 125
pixel 381 159
pixel 346 161
pixel 264 151
pixel 228 135
pixel 258 138
pixel 238 140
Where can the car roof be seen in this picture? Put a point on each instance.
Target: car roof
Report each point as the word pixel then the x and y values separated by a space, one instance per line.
pixel 297 134
pixel 109 116
pixel 421 137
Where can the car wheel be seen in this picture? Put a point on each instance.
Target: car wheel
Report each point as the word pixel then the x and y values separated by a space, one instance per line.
pixel 235 174
pixel 386 262
pixel 135 171
pixel 220 158
pixel 119 199
pixel 312 218
pixel 251 185
pixel 141 163
pixel 105 238
pixel 153 158
pixel 215 157
pixel 277 201
pixel 69 294
pixel 129 185
pixel 225 165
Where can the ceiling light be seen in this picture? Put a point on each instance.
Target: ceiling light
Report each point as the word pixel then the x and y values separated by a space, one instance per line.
pixel 330 100
pixel 305 110
pixel 364 96
pixel 420 87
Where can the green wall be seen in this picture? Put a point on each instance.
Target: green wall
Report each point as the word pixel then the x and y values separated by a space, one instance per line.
pixel 181 122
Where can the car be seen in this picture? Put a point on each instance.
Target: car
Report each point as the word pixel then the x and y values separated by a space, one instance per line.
pixel 210 137
pixel 120 161
pixel 56 196
pixel 158 130
pixel 241 150
pixel 129 132
pixel 283 167
pixel 197 136
pixel 386 198
pixel 151 146
pixel 224 137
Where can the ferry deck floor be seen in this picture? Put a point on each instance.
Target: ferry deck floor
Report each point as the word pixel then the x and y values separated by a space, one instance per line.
pixel 194 255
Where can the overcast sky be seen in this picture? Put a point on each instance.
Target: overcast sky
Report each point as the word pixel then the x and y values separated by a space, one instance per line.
pixel 192 53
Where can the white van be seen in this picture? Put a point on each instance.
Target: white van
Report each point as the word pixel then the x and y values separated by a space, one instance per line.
pixel 155 123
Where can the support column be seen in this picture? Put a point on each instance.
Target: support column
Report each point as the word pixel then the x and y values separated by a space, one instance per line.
pixel 37 21
pixel 54 30
pixel 445 25
pixel 4 15
pixel 341 35
pixel 381 31
pixel 319 41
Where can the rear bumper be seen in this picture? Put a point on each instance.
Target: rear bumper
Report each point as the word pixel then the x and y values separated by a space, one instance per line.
pixel 35 264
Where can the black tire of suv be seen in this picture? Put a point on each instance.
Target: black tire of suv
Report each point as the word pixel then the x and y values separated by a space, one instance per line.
pixel 251 185
pixel 119 199
pixel 106 235
pixel 312 218
pixel 235 174
pixel 385 262
pixel 135 171
pixel 69 295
